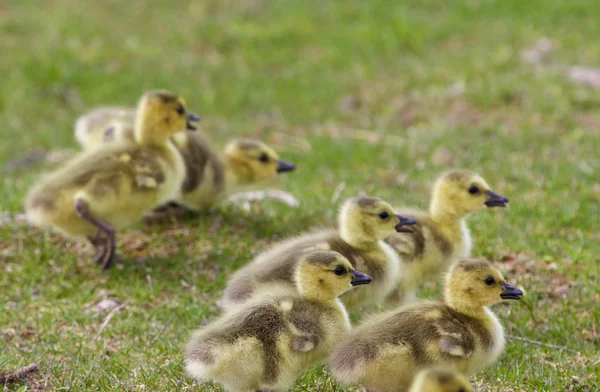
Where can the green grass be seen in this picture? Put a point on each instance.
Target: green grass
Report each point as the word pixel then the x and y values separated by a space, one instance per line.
pixel 280 71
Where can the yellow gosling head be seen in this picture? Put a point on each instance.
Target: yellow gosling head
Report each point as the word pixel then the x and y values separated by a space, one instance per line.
pixel 440 379
pixel 325 275
pixel 252 161
pixel 474 283
pixel 460 192
pixel 367 219
pixel 160 114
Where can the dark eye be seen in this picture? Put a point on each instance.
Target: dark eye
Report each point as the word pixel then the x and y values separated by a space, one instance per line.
pixel 461 390
pixel 384 215
pixel 473 189
pixel 489 281
pixel 263 157
pixel 180 110
pixel 339 270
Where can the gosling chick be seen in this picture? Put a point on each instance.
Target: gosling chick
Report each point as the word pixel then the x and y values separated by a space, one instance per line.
pixel 385 352
pixel 441 234
pixel 105 124
pixel 363 223
pixel 208 175
pixel 268 342
pixel 440 379
pixel 106 189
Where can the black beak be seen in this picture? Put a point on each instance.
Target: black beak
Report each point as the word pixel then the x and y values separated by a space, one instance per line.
pixel 404 221
pixel 510 292
pixel 283 166
pixel 191 117
pixel 496 200
pixel 359 278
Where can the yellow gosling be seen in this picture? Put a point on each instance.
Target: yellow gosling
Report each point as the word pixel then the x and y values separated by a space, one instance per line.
pixel 209 176
pixel 440 379
pixel 266 343
pixel 460 332
pixel 363 223
pixel 106 189
pixel 441 234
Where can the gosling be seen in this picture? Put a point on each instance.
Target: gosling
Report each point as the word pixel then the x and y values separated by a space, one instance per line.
pixel 441 235
pixel 105 124
pixel 363 223
pixel 208 175
pixel 268 342
pixel 106 189
pixel 440 379
pixel 385 352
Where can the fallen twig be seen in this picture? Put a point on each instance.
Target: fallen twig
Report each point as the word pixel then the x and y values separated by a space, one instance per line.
pixel 19 374
pixel 109 317
pixel 538 343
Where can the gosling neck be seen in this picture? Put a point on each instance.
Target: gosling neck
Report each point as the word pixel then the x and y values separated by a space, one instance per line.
pixel 231 177
pixel 316 293
pixel 149 134
pixel 464 305
pixel 236 172
pixel 444 215
pixel 358 237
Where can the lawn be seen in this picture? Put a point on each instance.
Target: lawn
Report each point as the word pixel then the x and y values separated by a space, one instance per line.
pixel 365 96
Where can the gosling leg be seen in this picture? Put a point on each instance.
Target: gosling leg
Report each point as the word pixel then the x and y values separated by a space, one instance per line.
pixel 109 250
pixel 105 236
pixel 157 215
pixel 162 213
pixel 97 241
pixel 176 209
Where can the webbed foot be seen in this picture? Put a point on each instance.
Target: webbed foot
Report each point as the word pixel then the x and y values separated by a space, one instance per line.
pixel 104 240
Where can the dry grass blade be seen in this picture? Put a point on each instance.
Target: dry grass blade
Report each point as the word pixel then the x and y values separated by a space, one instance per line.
pixel 109 317
pixel 538 343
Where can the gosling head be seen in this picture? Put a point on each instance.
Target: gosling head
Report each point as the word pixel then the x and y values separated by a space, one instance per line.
pixel 253 161
pixel 325 275
pixel 367 219
pixel 460 192
pixel 118 132
pixel 163 113
pixel 474 283
pixel 441 379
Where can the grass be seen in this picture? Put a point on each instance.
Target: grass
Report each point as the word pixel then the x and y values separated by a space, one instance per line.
pixel 374 95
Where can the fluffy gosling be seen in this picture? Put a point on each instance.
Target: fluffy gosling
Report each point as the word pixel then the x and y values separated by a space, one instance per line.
pixel 266 343
pixel 105 124
pixel 384 353
pixel 208 175
pixel 363 223
pixel 441 234
pixel 440 379
pixel 106 189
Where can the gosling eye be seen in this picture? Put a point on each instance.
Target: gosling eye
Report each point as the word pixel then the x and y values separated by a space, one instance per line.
pixel 473 189
pixel 263 157
pixel 384 215
pixel 489 281
pixel 339 270
pixel 180 110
